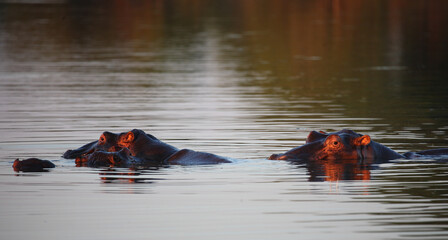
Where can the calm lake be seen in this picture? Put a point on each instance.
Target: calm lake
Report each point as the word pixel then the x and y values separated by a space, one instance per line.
pixel 242 79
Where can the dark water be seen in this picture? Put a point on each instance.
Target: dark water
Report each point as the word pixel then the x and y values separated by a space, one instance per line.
pixel 243 79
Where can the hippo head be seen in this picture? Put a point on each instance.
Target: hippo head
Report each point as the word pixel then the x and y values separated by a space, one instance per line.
pixel 345 144
pixel 109 159
pixel 107 142
pixel 128 138
pixel 316 136
pixel 145 146
pixel 105 159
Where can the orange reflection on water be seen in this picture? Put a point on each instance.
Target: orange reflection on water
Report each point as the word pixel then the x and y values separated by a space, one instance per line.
pixel 335 170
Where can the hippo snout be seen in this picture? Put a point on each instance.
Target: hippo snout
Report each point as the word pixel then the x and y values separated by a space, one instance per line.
pixel 278 157
pixel 32 165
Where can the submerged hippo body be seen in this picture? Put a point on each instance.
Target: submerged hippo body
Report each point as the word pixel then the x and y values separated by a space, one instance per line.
pixel 150 149
pixel 190 157
pixel 32 165
pixel 433 153
pixel 347 144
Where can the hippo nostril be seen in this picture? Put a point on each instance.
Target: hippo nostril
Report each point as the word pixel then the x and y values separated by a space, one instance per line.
pixel 335 143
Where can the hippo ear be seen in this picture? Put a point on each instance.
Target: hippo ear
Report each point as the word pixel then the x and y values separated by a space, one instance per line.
pixel 129 137
pixel 313 136
pixel 362 141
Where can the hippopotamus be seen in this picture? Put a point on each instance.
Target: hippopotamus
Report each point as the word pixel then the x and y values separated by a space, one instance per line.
pixel 100 158
pixel 32 165
pixel 107 143
pixel 347 144
pixel 136 148
pixel 150 149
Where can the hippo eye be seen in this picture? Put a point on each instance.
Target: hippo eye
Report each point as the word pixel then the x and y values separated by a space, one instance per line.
pixel 335 143
pixel 101 139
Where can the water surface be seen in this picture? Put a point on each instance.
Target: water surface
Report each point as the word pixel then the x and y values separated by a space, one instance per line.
pixel 242 79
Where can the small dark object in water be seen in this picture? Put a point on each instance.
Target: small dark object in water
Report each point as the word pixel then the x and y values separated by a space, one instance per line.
pixel 32 165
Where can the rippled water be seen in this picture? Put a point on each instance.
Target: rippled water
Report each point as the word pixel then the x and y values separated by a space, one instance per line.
pixel 242 79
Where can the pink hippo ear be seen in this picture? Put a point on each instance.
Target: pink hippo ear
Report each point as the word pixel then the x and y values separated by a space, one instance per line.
pixel 129 137
pixel 362 141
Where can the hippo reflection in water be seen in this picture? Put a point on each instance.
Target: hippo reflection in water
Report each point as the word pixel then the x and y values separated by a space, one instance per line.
pixel 137 148
pixel 347 145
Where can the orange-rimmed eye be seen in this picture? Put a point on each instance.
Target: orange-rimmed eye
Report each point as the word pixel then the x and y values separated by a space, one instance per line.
pixel 102 139
pixel 333 141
